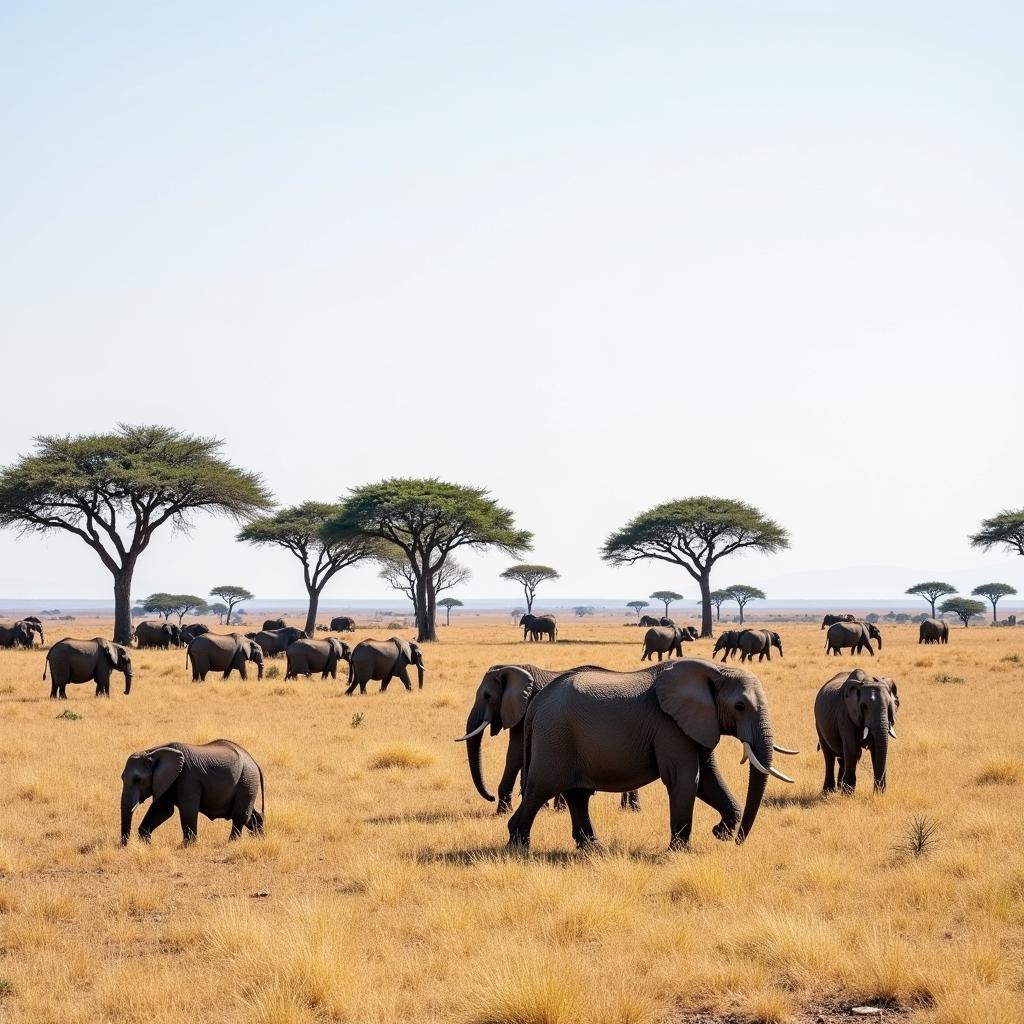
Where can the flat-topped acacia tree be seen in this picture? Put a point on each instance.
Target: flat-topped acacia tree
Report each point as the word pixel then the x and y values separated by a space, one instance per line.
pixel 530 577
pixel 1005 530
pixel 742 594
pixel 695 533
pixel 448 603
pixel 993 592
pixel 965 608
pixel 114 491
pixel 931 591
pixel 666 597
pixel 396 572
pixel 231 596
pixel 297 529
pixel 718 598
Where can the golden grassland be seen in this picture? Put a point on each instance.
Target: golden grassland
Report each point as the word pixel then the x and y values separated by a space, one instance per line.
pixel 382 891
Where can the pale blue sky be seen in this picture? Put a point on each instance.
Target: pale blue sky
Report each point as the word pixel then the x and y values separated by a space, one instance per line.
pixel 591 256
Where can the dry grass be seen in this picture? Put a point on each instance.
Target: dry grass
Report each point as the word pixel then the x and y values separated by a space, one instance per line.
pixel 383 893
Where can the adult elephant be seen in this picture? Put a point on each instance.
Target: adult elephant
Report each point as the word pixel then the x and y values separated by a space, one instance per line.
pixel 831 620
pixel 933 631
pixel 21 633
pixel 649 620
pixel 537 626
pixel 727 642
pixel 383 659
pixel 591 731
pixel 274 624
pixel 81 661
pixel 190 632
pixel 666 621
pixel 152 633
pixel 855 635
pixel 214 652
pixel 343 624
pixel 852 712
pixel 277 641
pixel 668 640
pixel 219 779
pixel 308 656
pixel 759 642
pixel 501 701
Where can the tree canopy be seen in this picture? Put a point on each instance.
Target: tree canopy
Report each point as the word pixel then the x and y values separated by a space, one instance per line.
pixel 638 606
pixel 931 591
pixel 742 593
pixel 113 491
pixel 530 577
pixel 448 603
pixel 1005 529
pixel 964 607
pixel 218 609
pixel 994 592
pixel 231 596
pixel 666 597
pixel 160 604
pixel 718 598
pixel 695 533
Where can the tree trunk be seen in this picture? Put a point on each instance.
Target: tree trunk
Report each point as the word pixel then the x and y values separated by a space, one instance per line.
pixel 741 615
pixel 706 625
pixel 529 600
pixel 995 621
pixel 123 605
pixel 426 630
pixel 933 600
pixel 314 602
pixel 718 613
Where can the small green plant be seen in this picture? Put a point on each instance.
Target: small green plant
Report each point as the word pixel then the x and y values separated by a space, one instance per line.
pixel 395 624
pixel 946 679
pixel 272 673
pixel 69 716
pixel 920 837
pixel 357 719
pixel 1014 659
pixel 6 988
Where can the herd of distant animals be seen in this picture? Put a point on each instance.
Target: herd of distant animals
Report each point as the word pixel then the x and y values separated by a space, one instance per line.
pixel 571 732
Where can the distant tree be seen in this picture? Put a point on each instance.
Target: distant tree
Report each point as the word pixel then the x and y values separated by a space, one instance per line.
pixel 741 593
pixel 448 603
pixel 297 529
pixel 517 614
pixel 160 604
pixel 1005 529
pixel 137 611
pixel 114 491
pixel 218 609
pixel 964 607
pixel 185 603
pixel 695 533
pixel 902 617
pixel 993 592
pixel 231 596
pixel 530 577
pixel 666 597
pixel 872 617
pixel 397 573
pixel 638 606
pixel 931 591
pixel 718 598
pixel 583 609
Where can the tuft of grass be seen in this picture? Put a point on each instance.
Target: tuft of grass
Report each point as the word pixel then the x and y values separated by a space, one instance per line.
pixel 946 679
pixel 401 755
pixel 1013 659
pixel 6 988
pixel 271 672
pixel 1003 772
pixel 69 716
pixel 920 837
pixel 357 719
pixel 527 994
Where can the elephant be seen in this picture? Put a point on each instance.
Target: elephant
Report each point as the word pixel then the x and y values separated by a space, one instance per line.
pixel 219 779
pixel 501 701
pixel 934 631
pixel 649 620
pixel 856 635
pixel 759 642
pixel 189 633
pixel 376 659
pixel 855 711
pixel 79 661
pixel 215 652
pixel 590 731
pixel 33 625
pixel 157 634
pixel 343 624
pixel 17 635
pixel 831 620
pixel 274 624
pixel 277 641
pixel 539 625
pixel 728 642
pixel 308 656
pixel 666 621
pixel 666 640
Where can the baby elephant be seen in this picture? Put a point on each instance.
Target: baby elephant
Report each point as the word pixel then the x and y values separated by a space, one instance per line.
pixel 220 779
pixel 759 642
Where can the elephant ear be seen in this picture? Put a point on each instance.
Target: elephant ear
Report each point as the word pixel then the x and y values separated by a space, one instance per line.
pixel 168 763
pixel 851 695
pixel 686 693
pixel 893 691
pixel 110 651
pixel 404 650
pixel 516 690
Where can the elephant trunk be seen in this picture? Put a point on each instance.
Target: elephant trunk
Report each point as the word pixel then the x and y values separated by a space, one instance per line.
pixel 259 670
pixel 128 682
pixel 129 801
pixel 879 733
pixel 419 672
pixel 763 745
pixel 476 724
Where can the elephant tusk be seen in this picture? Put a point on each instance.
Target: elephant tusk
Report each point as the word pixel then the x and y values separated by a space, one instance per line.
pixel 469 735
pixel 784 750
pixel 865 736
pixel 749 753
pixel 778 775
pixel 743 759
pixel 892 732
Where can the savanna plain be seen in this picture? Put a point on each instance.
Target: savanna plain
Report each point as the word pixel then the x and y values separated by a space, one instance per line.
pixel 382 890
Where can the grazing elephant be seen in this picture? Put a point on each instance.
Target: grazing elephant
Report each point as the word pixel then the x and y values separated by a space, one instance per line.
pixel 649 620
pixel 21 633
pixel 214 652
pixel 759 642
pixel 934 631
pixel 591 731
pixel 831 620
pixel 80 661
pixel 189 633
pixel 855 635
pixel 501 701
pixel 539 625
pixel 277 641
pixel 376 659
pixel 157 634
pixel 219 779
pixel 274 624
pixel 855 711
pixel 308 656
pixel 666 621
pixel 343 624
pixel 727 642
pixel 668 640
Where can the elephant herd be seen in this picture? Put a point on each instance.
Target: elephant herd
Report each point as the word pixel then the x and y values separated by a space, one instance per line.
pixel 22 633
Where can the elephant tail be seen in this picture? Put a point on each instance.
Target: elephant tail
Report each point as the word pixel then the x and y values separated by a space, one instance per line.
pixel 527 744
pixel 263 792
pixel 46 664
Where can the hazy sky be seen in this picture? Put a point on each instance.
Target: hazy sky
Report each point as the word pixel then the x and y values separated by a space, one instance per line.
pixel 592 256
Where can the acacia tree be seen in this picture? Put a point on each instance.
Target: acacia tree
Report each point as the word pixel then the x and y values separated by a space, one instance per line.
pixel 994 591
pixel 297 529
pixel 427 519
pixel 530 577
pixel 1005 529
pixel 114 491
pixel 160 604
pixel 695 533
pixel 638 606
pixel 582 610
pixel 231 596
pixel 448 603
pixel 218 609
pixel 185 603
pixel 963 607
pixel 666 597
pixel 718 598
pixel 397 573
pixel 931 591
pixel 741 593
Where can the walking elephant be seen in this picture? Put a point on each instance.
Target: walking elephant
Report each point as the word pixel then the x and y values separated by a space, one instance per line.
pixel 501 701
pixel 308 656
pixel 855 635
pixel 214 652
pixel 81 661
pixel 274 624
pixel 537 626
pixel 377 659
pixel 933 631
pixel 727 642
pixel 830 620
pixel 277 641
pixel 343 624
pixel 649 620
pixel 759 642
pixel 189 633
pixel 219 779
pixel 668 640
pixel 157 634
pixel 21 633
pixel 852 712
pixel 594 731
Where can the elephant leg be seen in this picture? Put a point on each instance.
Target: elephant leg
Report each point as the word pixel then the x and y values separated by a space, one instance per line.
pixel 828 754
pixel 681 794
pixel 255 823
pixel 659 655
pixel 383 683
pixel 583 833
pixel 559 803
pixel 711 788
pixel 188 813
pixel 159 811
pixel 63 691
pixel 350 689
pixel 53 689
pixel 513 765
pixel 403 674
pixel 630 801
pixel 848 765
pixel 520 824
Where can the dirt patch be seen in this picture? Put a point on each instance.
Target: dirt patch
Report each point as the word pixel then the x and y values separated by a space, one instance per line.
pixel 828 1013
